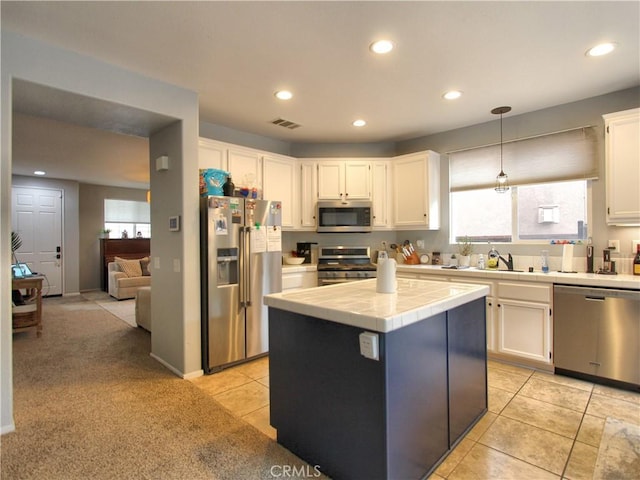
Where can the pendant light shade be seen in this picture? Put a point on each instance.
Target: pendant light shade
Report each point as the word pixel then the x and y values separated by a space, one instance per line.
pixel 502 181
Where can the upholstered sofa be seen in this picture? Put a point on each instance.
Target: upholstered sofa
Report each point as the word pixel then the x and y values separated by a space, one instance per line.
pixel 127 276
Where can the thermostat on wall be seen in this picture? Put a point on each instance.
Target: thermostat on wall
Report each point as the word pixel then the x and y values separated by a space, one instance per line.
pixel 174 223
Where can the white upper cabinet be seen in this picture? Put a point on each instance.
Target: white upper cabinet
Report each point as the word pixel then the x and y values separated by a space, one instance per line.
pixel 308 194
pixel 416 191
pixel 344 180
pixel 245 166
pixel 212 154
pixel 622 147
pixel 279 180
pixel 381 193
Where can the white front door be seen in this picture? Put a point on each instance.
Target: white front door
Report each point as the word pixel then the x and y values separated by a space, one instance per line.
pixel 36 215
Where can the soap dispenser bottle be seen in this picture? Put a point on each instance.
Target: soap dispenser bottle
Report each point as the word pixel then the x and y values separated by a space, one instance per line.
pixel 493 258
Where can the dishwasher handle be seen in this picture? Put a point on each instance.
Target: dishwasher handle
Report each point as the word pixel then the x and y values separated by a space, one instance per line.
pixel 596 294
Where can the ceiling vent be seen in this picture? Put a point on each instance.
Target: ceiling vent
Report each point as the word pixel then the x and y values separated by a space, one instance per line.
pixel 281 122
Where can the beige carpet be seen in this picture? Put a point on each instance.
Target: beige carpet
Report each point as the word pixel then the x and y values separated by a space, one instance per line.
pixel 91 403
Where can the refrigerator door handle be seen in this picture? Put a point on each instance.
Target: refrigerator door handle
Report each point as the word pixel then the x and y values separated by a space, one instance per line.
pixel 247 266
pixel 243 261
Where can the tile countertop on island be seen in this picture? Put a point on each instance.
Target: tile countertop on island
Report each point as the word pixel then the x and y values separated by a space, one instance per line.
pixel 581 279
pixel 359 305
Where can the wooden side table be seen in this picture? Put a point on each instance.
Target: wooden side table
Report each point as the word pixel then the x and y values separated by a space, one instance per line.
pixel 28 315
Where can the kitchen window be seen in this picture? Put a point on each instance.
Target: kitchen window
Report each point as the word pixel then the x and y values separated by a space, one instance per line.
pixel 549 194
pixel 486 216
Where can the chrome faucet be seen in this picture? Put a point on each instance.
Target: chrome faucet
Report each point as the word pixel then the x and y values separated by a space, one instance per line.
pixel 508 263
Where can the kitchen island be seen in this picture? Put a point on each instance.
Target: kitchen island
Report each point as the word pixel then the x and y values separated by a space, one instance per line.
pixel 372 385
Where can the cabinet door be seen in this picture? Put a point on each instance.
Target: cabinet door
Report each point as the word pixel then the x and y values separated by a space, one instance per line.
pixel 492 329
pixel 416 190
pixel 330 180
pixel 279 183
pixel 622 147
pixel 308 194
pixel 211 154
pixel 357 180
pixel 344 179
pixel 524 329
pixel 381 193
pixel 246 168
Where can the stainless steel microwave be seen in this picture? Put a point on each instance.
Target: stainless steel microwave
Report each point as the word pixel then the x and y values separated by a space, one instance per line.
pixel 344 217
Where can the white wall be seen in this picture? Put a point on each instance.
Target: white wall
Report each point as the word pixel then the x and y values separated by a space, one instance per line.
pixel 37 62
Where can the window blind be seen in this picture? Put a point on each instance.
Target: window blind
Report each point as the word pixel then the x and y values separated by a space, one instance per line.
pixel 568 155
pixel 126 211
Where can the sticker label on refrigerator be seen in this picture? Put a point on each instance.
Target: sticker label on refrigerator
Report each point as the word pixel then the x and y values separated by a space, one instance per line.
pixel 258 240
pixel 274 238
pixel 221 224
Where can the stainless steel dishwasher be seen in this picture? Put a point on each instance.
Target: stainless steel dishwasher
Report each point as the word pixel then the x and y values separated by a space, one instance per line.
pixel 597 333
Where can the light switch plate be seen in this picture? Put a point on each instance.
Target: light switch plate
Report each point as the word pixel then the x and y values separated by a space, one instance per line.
pixel 614 245
pixel 369 345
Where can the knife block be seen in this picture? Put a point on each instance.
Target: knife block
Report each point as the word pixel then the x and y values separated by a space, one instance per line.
pixel 412 259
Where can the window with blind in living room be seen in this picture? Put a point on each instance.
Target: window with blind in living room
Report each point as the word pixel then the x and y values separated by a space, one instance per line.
pixel 128 216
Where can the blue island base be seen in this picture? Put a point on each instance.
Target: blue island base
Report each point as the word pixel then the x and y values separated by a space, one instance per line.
pixel 392 418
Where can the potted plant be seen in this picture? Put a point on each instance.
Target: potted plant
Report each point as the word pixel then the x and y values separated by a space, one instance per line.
pixel 465 249
pixel 104 233
pixel 16 243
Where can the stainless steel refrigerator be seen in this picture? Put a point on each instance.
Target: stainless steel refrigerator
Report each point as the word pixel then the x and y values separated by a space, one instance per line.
pixel 241 262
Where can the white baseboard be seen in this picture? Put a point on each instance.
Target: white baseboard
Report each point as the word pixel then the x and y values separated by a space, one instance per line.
pixel 186 376
pixel 8 428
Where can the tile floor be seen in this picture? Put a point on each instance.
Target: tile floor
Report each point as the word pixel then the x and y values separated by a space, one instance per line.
pixel 538 425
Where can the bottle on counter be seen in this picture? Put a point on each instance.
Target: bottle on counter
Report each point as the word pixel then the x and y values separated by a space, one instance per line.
pixel 480 261
pixel 636 261
pixel 228 187
pixel 493 259
pixel 544 261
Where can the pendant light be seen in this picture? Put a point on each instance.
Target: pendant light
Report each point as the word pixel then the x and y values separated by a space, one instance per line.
pixel 502 181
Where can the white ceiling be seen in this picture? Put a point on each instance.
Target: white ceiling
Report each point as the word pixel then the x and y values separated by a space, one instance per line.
pixel 529 55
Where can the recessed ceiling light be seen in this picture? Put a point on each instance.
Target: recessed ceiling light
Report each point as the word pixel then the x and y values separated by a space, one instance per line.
pixel 39 172
pixel 381 46
pixel 284 94
pixel 601 49
pixel 452 94
pixel 359 123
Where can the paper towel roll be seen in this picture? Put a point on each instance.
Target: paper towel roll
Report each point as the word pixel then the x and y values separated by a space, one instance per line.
pixel 386 276
pixel 567 258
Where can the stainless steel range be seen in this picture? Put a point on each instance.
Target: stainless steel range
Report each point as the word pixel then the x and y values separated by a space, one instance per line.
pixel 344 264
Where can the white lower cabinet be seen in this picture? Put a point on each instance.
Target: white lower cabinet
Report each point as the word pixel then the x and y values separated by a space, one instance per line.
pixel 524 321
pixel 294 280
pixel 519 318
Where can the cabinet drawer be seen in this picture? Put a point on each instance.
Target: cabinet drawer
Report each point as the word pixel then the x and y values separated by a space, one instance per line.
pixel 491 285
pixel 525 292
pixel 299 280
pixel 292 280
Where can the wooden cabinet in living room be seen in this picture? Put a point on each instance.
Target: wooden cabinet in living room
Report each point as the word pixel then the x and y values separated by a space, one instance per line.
pixel 280 182
pixel 344 179
pixel 622 159
pixel 416 191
